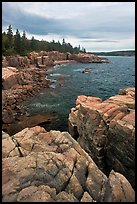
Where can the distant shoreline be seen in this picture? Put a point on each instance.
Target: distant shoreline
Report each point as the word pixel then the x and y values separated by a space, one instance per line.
pixel 116 53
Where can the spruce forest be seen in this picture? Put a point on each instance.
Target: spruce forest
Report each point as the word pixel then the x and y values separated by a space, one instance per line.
pixel 19 44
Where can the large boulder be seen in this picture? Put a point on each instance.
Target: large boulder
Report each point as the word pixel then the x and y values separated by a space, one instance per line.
pixel 52 167
pixel 9 77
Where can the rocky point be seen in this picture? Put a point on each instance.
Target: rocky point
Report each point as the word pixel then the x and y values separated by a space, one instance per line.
pixel 106 131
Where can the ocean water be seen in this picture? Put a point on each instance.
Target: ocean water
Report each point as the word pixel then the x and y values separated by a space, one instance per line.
pixel 68 82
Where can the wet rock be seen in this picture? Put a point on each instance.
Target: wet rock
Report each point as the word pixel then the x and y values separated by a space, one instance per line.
pixel 24 121
pixel 7 117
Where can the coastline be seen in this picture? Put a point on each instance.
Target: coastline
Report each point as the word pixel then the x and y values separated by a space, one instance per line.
pixel 41 165
pixel 23 77
pixel 61 164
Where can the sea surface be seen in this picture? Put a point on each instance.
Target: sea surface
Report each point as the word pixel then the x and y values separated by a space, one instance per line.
pixel 68 82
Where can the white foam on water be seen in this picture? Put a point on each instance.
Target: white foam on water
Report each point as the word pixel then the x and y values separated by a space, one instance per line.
pixel 56 74
pixel 78 70
pixel 53 86
pixel 40 105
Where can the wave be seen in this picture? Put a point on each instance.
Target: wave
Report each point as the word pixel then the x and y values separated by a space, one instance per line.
pixel 56 74
pixel 78 70
pixel 40 105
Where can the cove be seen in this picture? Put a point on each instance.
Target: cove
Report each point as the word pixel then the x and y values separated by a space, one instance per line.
pixel 68 82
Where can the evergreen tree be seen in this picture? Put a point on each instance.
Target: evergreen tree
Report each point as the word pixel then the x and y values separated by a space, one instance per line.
pixel 84 50
pixel 4 43
pixel 10 39
pixel 10 42
pixel 32 43
pixel 21 45
pixel 79 47
pixel 17 42
pixel 24 44
pixel 63 41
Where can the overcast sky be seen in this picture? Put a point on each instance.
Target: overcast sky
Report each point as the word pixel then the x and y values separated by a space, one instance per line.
pixel 96 26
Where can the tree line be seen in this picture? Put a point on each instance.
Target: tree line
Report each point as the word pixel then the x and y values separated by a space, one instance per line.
pixel 17 44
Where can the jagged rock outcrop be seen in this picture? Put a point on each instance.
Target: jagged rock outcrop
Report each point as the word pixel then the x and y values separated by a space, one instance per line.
pixel 18 61
pixel 41 59
pixel 56 56
pixel 106 130
pixel 88 58
pixel 45 59
pixel 9 77
pixel 52 167
pixel 12 76
pixel 17 86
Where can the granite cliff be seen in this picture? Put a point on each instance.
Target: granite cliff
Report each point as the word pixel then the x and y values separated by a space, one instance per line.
pixel 106 131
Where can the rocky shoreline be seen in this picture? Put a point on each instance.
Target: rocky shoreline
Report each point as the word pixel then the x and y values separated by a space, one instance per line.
pixel 23 77
pixel 94 162
pixel 41 166
pixel 17 88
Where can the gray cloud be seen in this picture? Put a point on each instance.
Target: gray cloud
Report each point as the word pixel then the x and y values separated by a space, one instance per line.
pixel 96 21
pixel 31 23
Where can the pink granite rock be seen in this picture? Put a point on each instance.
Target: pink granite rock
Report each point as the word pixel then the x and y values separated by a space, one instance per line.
pixel 106 131
pixel 54 170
